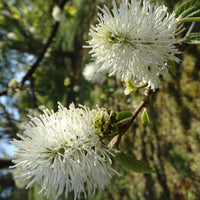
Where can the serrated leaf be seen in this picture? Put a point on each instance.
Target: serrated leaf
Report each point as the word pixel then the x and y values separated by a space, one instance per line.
pixel 171 65
pixel 193 38
pixel 145 117
pixel 131 163
pixel 190 10
pixel 123 115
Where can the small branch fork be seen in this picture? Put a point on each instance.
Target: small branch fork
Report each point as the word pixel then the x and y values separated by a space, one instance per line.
pixel 123 127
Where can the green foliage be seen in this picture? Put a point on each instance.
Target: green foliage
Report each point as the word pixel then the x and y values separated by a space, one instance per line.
pixel 189 11
pixel 131 163
pixel 130 87
pixel 123 115
pixel 193 38
pixel 180 162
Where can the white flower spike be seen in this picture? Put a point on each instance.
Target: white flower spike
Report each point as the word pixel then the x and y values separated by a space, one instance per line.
pixel 62 152
pixel 135 41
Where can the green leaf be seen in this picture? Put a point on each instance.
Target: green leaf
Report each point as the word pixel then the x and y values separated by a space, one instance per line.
pixel 171 65
pixel 145 117
pixel 130 87
pixel 193 38
pixel 132 164
pixel 189 9
pixel 123 115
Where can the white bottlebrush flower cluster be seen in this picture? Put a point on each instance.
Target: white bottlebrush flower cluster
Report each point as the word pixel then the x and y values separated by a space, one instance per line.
pixel 135 41
pixel 62 152
pixel 91 73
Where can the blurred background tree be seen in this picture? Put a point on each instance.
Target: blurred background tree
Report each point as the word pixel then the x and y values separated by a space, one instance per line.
pixel 41 63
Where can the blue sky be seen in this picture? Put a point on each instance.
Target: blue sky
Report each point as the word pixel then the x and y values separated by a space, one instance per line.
pixel 6 149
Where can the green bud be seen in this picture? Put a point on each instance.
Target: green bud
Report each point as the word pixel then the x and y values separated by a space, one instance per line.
pixel 105 123
pixel 145 117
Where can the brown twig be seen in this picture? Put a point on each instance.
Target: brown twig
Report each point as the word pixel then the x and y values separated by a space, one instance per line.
pixel 143 104
pixel 124 126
